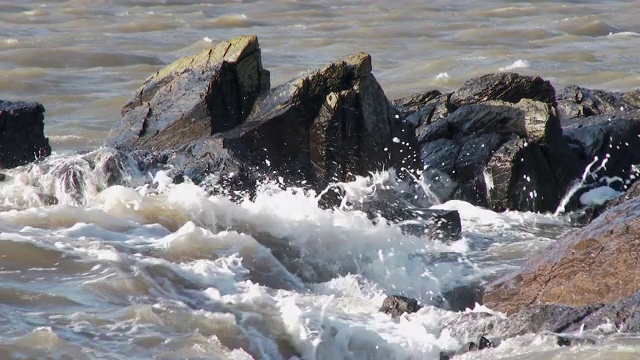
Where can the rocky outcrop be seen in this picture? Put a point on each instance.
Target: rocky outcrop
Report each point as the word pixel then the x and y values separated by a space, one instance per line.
pixel 594 265
pixel 323 127
pixel 498 139
pixel 22 137
pixel 193 98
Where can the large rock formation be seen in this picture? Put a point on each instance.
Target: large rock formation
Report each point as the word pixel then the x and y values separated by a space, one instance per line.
pixel 499 140
pixel 193 98
pixel 22 137
pixel 323 127
pixel 594 265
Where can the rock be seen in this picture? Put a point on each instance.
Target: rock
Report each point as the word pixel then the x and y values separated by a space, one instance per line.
pixel 501 155
pixel 329 125
pixel 464 297
pixel 323 127
pixel 22 137
pixel 213 117
pixel 396 305
pixel 481 344
pixel 435 223
pixel 578 102
pixel 587 267
pixel 508 87
pixel 613 136
pixel 422 109
pixel 193 98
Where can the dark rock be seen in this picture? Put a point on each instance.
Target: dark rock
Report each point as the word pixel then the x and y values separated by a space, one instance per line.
pixel 435 223
pixel 22 137
pixel 502 155
pixel 440 154
pixel 623 314
pixel 481 344
pixel 584 268
pixel 193 98
pixel 323 127
pixel 3 177
pixel 396 305
pixel 614 137
pixel 464 297
pixel 563 341
pixel 415 106
pixel 423 109
pixel 578 102
pixel 509 87
pixel 418 221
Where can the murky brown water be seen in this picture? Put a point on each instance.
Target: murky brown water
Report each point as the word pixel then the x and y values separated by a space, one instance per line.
pixel 135 276
pixel 83 58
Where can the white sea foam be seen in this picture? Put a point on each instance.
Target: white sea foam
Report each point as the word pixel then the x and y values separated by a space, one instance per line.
pixel 283 266
pixel 518 64
pixel 599 196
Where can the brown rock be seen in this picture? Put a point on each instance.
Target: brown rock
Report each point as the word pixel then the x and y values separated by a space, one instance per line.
pixel 194 97
pixel 597 264
pixel 509 87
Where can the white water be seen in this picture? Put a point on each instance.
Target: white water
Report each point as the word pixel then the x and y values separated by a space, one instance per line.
pixel 167 270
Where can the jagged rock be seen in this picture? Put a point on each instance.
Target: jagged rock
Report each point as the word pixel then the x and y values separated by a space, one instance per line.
pixel 508 87
pixel 193 98
pixel 578 102
pixel 213 116
pixel 22 137
pixel 583 268
pixel 396 305
pixel 613 136
pixel 501 155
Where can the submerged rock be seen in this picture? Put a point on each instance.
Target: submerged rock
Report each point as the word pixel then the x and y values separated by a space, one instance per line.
pixel 22 137
pixel 396 305
pixel 594 265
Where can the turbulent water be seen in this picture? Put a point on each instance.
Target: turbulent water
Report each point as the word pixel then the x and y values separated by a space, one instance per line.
pixel 152 269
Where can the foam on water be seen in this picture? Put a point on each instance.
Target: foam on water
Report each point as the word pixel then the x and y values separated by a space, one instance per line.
pixel 518 64
pixel 275 276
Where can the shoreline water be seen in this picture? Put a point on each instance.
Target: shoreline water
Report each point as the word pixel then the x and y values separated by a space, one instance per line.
pixel 153 268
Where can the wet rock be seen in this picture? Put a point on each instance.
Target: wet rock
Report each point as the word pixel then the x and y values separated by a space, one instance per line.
pixel 578 102
pixel 584 268
pixel 193 98
pixel 464 297
pixel 22 137
pixel 435 223
pixel 481 344
pixel 613 137
pixel 329 125
pixel 508 87
pixel 396 305
pixel 502 155
pixel 3 177
pixel 322 127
